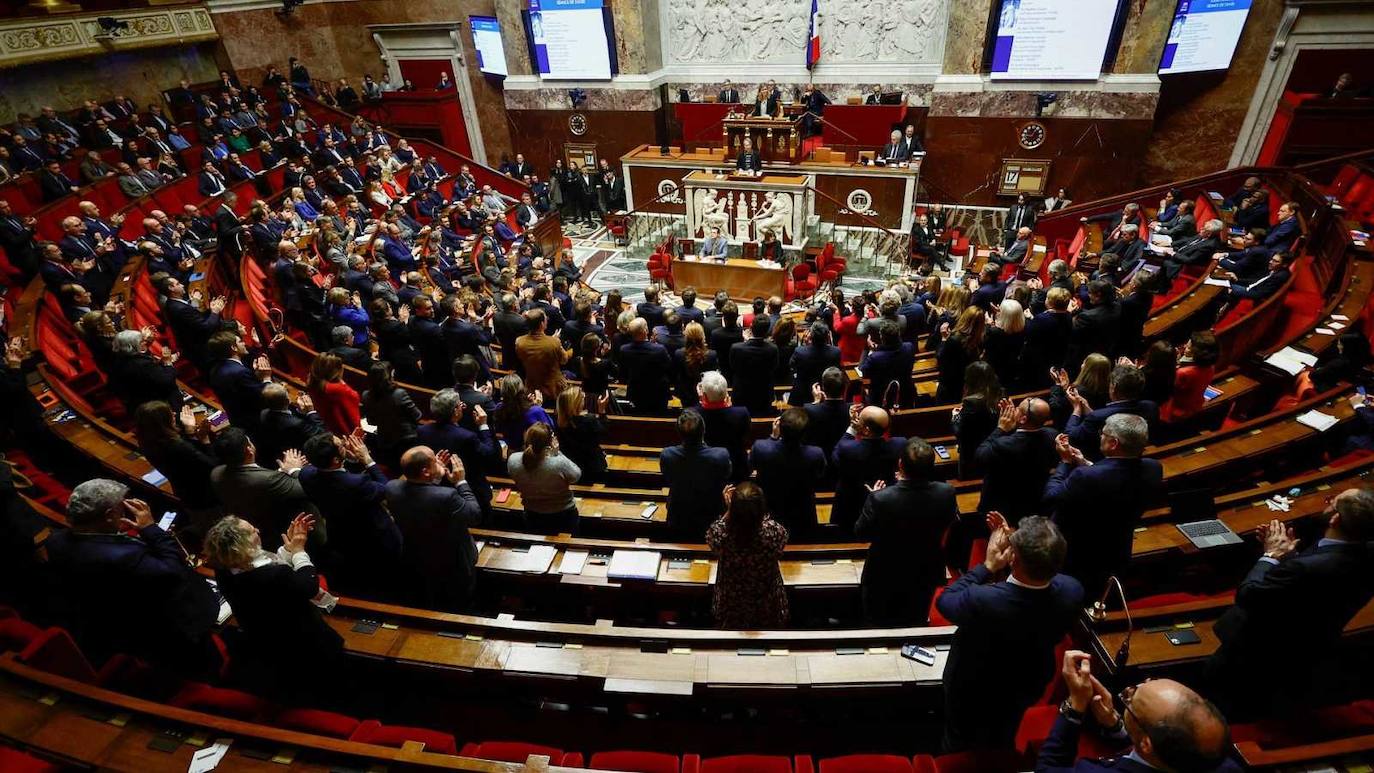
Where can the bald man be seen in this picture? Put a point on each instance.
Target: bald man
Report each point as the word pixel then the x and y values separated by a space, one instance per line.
pixel 433 506
pixel 1168 726
pixel 861 459
pixel 1016 460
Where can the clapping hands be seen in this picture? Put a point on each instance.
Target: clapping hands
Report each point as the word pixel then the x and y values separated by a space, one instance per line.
pixel 291 459
pixel 1067 453
pixel 293 541
pixel 999 543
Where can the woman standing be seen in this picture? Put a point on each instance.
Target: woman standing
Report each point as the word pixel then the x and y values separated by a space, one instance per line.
pixel 1004 343
pixel 336 402
pixel 963 346
pixel 544 478
pixel 517 410
pixel 976 416
pixel 748 543
pixel 580 432
pixel 180 451
pixel 690 361
pixel 393 412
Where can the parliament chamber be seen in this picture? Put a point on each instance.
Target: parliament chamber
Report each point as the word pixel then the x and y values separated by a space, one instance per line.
pixel 687 386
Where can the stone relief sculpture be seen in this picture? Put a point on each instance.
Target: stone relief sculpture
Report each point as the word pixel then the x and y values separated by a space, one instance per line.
pixel 776 213
pixel 753 31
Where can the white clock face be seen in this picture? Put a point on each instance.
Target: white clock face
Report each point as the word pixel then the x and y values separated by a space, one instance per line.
pixel 577 124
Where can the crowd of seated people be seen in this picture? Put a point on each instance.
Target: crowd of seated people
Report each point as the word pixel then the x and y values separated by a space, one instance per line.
pixel 422 282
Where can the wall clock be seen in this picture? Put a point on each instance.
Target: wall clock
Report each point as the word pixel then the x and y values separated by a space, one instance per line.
pixel 577 124
pixel 1031 135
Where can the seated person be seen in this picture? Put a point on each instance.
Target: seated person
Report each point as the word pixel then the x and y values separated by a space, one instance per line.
pixel 1257 288
pixel 749 159
pixel 714 246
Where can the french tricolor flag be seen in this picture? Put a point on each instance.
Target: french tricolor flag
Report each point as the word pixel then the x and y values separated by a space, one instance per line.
pixel 813 42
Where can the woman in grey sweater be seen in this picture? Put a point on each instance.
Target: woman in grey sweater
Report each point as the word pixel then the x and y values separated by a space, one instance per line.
pixel 545 477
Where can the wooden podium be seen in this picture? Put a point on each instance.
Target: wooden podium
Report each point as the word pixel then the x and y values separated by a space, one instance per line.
pixel 778 140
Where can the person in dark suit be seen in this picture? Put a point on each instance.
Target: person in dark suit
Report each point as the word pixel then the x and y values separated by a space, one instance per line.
pixel 728 94
pixel 752 363
pixel 1250 259
pixel 1124 390
pixel 54 183
pixel 283 426
pixel 1095 327
pixel 1257 289
pixel 1115 222
pixel 827 414
pixel 1292 608
pixel 887 365
pixel 508 325
pixel 238 387
pixel 1016 460
pixel 650 309
pixel 266 498
pixel 461 428
pixel 809 361
pixel 767 103
pixel 894 150
pixel 1097 505
pixel 433 505
pixel 727 425
pixel 1014 624
pixel 1195 251
pixel 191 326
pixel 1285 231
pixel 465 372
pixel 350 491
pixel 862 457
pixel 748 159
pixel 1165 726
pixel 923 242
pixel 991 288
pixel 788 471
pixel 724 337
pixel 137 377
pixel 695 474
pixel 428 339
pixel 905 524
pixel 284 647
pixel 1019 215
pixel 645 366
pixel 129 594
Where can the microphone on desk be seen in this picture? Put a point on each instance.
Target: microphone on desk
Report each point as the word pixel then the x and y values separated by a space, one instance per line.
pixel 1098 613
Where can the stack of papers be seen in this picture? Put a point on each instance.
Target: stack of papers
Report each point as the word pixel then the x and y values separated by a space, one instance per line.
pixel 1317 420
pixel 573 562
pixel 1215 282
pixel 1291 361
pixel 634 565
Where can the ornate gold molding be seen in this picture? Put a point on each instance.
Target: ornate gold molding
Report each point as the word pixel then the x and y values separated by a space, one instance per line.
pixel 26 40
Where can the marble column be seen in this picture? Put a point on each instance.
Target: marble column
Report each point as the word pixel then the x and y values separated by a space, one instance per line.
pixel 966 36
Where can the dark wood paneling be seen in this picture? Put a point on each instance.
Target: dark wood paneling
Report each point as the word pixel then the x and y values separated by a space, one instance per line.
pixel 540 134
pixel 885 196
pixel 1091 157
pixel 645 182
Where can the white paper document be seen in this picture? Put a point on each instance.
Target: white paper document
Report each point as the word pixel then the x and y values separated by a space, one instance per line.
pixel 208 758
pixel 573 562
pixel 633 565
pixel 1317 420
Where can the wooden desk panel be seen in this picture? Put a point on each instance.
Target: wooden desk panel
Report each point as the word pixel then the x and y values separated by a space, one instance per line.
pixel 744 280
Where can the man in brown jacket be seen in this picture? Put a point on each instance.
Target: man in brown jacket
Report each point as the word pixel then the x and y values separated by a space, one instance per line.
pixel 542 356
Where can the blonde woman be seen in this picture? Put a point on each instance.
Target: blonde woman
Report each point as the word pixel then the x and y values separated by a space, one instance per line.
pixel 377 195
pixel 1004 343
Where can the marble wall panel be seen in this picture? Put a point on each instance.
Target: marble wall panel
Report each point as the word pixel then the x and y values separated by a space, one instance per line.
pixel 1200 114
pixel 966 36
pixel 333 41
pixel 140 74
pixel 1070 104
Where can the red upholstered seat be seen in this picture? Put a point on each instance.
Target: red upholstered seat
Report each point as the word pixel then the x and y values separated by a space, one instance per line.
pixel 374 732
pixel 1035 728
pixel 628 761
pixel 221 701
pixel 867 763
pixel 15 761
pixel 54 651
pixel 745 763
pixel 510 751
pixel 318 722
pixel 980 762
pixel 801 282
pixel 17 633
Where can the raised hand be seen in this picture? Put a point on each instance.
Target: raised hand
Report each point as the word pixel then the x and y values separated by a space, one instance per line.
pixel 1278 538
pixel 1006 416
pixel 1078 678
pixel 877 485
pixel 187 418
pixel 1067 453
pixel 217 305
pixel 999 550
pixel 294 538
pixel 291 459
pixel 137 514
pixel 304 403
pixel 817 394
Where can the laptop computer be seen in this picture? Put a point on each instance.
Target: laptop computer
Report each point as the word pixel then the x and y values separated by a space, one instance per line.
pixel 1203 529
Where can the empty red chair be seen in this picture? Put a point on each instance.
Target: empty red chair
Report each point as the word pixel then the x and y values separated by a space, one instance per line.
pixel 867 763
pixel 317 722
pixel 980 762
pixel 221 701
pixel 741 763
pixel 17 633
pixel 628 761
pixel 510 751
pixel 801 282
pixel 395 736
pixel 660 269
pixel 54 651
pixel 1035 728
pixel 15 761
